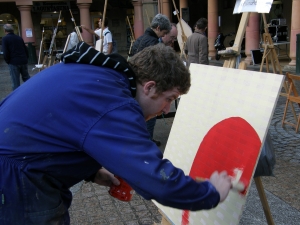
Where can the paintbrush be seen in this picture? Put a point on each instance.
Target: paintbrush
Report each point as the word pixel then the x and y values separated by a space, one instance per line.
pixel 235 185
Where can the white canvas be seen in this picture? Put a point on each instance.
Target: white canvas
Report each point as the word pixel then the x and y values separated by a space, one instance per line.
pixel 218 93
pixel 260 6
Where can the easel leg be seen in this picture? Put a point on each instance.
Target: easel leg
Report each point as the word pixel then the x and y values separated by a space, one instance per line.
pixel 49 61
pixel 182 51
pixel 264 201
pixel 263 59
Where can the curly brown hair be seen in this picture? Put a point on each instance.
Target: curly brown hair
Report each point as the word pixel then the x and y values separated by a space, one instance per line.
pixel 163 65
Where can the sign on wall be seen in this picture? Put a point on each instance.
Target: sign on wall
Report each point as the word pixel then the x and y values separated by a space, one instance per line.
pixel 259 6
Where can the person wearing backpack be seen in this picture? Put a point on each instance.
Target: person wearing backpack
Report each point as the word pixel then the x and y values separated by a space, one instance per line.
pixel 109 45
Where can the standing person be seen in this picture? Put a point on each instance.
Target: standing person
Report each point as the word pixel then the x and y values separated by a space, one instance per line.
pixel 197 44
pixel 107 36
pixel 56 135
pixel 171 37
pixel 15 55
pixel 160 26
pixel 73 38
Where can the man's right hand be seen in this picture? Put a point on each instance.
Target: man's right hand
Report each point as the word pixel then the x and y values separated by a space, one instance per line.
pixel 222 182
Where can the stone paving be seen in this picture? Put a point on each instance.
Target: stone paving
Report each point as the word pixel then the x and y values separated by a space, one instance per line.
pixel 93 205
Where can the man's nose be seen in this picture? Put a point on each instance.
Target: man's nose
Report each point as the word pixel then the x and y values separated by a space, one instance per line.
pixel 167 108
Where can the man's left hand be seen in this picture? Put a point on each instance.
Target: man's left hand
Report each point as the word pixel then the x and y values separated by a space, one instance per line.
pixel 105 178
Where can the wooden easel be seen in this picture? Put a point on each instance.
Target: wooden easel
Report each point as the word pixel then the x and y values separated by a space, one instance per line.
pixel 270 54
pixel 232 63
pixel 77 32
pixel 234 52
pixel 269 50
pixel 49 59
pixel 183 36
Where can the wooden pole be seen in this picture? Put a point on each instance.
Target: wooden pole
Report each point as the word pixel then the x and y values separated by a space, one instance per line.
pixel 183 36
pixel 102 25
pixel 131 31
pixel 147 17
pixel 76 28
pixel 41 46
pixel 67 42
pixel 132 40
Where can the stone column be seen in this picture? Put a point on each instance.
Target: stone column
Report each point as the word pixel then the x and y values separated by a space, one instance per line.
pixel 252 36
pixel 26 23
pixel 212 30
pixel 138 19
pixel 85 19
pixel 166 8
pixel 295 29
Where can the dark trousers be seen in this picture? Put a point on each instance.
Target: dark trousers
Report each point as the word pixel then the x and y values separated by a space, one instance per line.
pixel 15 71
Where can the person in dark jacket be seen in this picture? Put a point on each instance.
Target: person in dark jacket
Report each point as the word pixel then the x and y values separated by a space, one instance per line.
pixel 160 26
pixel 55 135
pixel 15 55
pixel 197 44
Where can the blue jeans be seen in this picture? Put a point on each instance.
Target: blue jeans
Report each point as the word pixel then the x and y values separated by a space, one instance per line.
pixel 150 126
pixel 15 71
pixel 29 197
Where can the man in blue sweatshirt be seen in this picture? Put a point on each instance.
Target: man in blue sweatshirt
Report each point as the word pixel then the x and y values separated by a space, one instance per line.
pixel 85 119
pixel 15 55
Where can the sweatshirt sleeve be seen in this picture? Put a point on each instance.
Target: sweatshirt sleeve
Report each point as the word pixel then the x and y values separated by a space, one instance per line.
pixel 120 142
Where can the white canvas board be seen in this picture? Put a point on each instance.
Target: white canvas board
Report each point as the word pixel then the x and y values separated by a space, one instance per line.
pixel 187 31
pixel 218 93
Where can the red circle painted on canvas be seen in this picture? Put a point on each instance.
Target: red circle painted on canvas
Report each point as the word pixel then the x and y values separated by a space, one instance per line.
pixel 230 144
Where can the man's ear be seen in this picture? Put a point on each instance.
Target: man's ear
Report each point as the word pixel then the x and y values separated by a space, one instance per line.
pixel 148 86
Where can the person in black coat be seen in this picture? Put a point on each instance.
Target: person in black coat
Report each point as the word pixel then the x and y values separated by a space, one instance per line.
pixel 15 55
pixel 160 26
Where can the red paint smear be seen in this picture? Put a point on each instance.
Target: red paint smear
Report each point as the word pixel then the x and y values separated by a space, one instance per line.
pixel 231 143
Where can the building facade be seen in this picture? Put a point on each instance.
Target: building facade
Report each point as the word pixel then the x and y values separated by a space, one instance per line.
pixel 31 17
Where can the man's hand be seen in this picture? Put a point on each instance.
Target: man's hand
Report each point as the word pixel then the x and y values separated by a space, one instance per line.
pixel 105 178
pixel 222 182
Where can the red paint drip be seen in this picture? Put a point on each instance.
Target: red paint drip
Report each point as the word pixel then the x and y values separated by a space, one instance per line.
pixel 230 144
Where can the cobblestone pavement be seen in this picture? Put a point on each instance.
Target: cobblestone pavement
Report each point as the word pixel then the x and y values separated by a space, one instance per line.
pixel 93 205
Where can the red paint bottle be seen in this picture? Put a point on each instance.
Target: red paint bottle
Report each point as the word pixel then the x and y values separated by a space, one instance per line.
pixel 122 192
